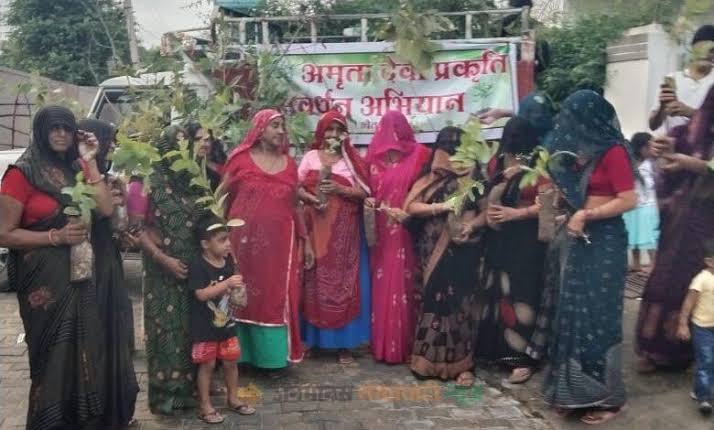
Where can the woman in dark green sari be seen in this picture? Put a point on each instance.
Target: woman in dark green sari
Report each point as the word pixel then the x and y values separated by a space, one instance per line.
pixel 120 385
pixel 168 246
pixel 59 315
pixel 588 260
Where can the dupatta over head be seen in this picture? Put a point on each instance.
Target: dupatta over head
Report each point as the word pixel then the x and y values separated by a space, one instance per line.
pixel 395 133
pixel 354 161
pixel 587 125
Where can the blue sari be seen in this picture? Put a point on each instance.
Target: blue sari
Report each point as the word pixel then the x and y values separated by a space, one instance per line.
pixel 586 278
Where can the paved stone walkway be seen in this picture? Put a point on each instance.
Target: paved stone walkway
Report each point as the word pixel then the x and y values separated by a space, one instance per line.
pixel 316 394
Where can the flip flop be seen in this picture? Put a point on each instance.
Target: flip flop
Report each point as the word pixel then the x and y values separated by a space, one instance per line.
pixel 242 409
pixel 605 415
pixel 211 417
pixel 465 380
pixel 345 357
pixel 523 376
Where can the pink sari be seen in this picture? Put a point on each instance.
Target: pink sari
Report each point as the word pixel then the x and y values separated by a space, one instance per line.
pixel 393 259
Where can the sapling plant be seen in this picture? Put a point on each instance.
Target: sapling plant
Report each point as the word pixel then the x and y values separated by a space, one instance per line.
pixel 473 152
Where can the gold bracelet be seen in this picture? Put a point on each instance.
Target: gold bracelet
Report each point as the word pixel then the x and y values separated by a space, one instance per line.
pixel 49 235
pixel 96 181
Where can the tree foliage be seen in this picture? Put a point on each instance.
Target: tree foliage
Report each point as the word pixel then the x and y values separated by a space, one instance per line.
pixel 578 48
pixel 74 41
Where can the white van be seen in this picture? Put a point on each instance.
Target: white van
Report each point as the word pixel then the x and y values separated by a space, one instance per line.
pixel 6 159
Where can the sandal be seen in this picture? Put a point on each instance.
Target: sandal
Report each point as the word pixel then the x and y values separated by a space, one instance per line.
pixel 563 413
pixel 646 366
pixel 345 357
pixel 465 380
pixel 600 416
pixel 211 418
pixel 519 375
pixel 242 408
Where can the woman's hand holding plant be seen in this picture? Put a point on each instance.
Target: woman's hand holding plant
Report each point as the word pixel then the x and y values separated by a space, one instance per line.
pixel 499 214
pixel 72 234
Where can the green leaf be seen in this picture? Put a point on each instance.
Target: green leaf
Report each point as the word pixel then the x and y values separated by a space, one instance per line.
pixel 71 211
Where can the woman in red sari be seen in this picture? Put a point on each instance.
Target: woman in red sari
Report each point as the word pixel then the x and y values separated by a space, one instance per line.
pixel 333 180
pixel 395 161
pixel 262 183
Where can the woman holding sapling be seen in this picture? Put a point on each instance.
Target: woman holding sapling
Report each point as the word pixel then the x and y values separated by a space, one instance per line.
pixel 336 295
pixel 587 280
pixel 449 260
pixel 262 181
pixel 168 213
pixel 513 275
pixel 59 315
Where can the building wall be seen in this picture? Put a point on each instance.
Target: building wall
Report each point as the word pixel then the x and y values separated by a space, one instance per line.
pixel 637 64
pixel 15 119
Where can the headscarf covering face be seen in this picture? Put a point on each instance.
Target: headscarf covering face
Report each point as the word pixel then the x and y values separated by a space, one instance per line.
pixel 538 110
pixel 45 169
pixel 106 133
pixel 448 139
pixel 355 162
pixel 393 133
pixel 587 125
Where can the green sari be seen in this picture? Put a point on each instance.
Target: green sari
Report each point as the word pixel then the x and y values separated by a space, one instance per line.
pixel 166 299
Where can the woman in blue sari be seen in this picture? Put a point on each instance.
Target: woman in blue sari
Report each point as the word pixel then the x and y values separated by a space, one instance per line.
pixel 589 255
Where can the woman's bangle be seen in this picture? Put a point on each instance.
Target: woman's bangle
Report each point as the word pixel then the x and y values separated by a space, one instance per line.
pixel 154 254
pixel 95 181
pixel 49 235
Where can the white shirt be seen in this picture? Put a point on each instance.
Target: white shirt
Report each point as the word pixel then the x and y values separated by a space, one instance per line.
pixel 689 91
pixel 645 189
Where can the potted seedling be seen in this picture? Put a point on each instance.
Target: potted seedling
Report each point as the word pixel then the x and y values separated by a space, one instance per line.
pixel 80 210
pixel 536 170
pixel 132 158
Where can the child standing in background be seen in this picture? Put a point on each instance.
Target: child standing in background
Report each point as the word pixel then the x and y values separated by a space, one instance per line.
pixel 211 279
pixel 699 303
pixel 643 221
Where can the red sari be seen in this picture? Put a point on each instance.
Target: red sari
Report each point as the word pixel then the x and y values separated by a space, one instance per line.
pixel 266 247
pixel 393 258
pixel 332 288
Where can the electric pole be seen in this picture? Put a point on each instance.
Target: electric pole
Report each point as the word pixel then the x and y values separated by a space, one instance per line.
pixel 131 30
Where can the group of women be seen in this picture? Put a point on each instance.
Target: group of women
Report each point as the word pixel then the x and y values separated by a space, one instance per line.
pixel 344 250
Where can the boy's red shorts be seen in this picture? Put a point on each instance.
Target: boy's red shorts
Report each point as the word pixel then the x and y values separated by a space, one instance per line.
pixel 203 352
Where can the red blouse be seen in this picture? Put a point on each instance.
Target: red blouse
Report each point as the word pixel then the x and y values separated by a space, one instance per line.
pixel 613 174
pixel 36 204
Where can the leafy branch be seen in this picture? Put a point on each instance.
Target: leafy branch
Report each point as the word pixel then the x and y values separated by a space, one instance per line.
pixel 411 31
pixel 472 152
pixel 82 198
pixel 134 157
pixel 538 162
pixel 184 159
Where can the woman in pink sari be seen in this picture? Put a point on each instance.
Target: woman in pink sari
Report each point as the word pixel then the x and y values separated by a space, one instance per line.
pixel 395 161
